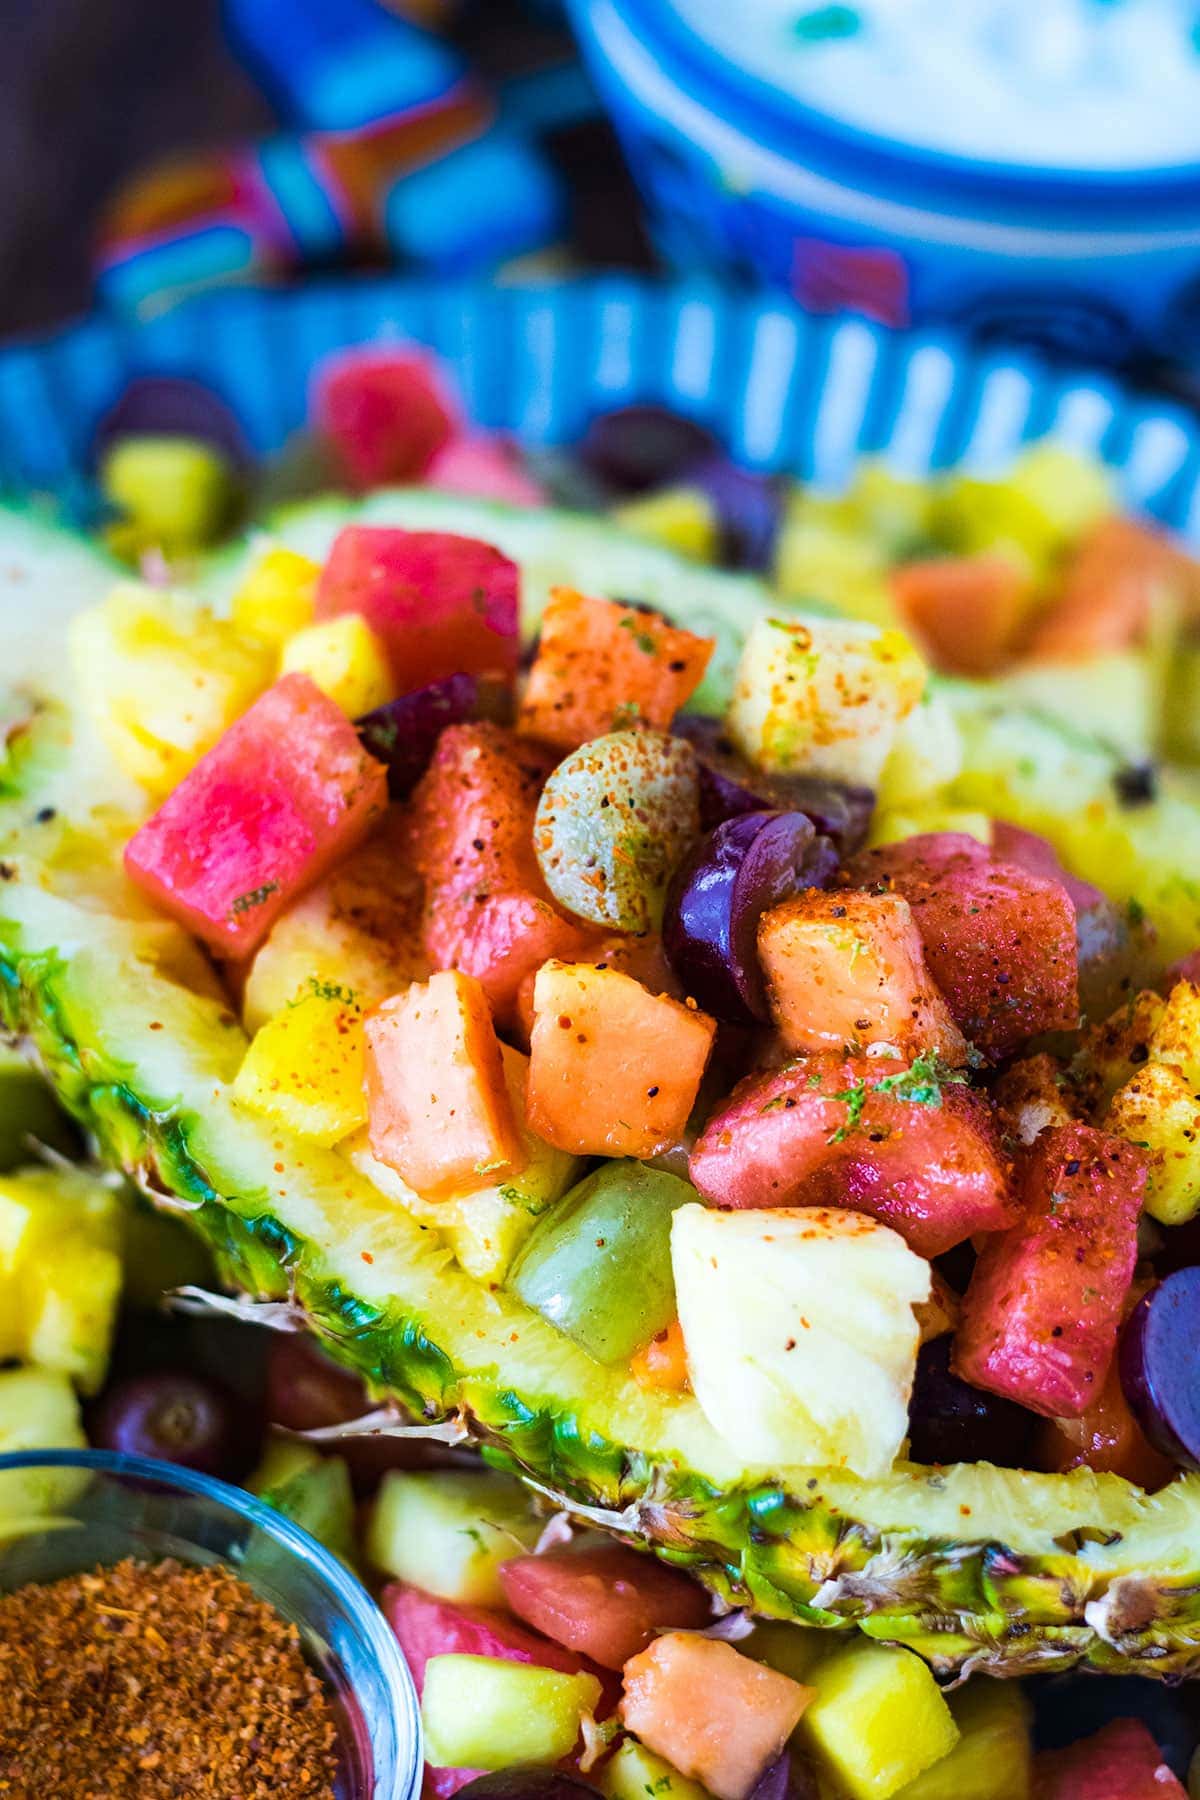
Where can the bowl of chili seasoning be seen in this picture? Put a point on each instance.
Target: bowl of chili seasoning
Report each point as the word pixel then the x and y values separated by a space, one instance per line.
pixel 162 1632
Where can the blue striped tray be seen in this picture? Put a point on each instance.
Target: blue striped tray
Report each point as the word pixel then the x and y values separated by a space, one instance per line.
pixel 785 390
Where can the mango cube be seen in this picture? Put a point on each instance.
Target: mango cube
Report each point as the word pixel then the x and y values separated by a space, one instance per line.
pixel 274 599
pixel 345 659
pixel 878 1719
pixel 304 1067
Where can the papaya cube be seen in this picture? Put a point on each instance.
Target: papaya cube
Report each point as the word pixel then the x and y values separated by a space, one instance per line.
pixel 440 604
pixel 823 696
pixel 614 1069
pixel 161 679
pixel 878 1135
pixel 715 1715
pixel 285 793
pixel 275 597
pixel 1119 1762
pixel 1120 579
pixel 1045 1300
pixel 877 1719
pixel 358 927
pixel 438 1108
pixel 488 911
pixel 1000 941
pixel 304 1068
pixel 848 967
pixel 601 666
pixel 345 659
pixel 966 612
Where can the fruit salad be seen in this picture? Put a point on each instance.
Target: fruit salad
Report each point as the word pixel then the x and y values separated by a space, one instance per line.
pixel 675 1041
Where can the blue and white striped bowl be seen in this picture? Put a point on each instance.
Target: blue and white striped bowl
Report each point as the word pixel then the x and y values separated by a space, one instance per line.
pixel 784 390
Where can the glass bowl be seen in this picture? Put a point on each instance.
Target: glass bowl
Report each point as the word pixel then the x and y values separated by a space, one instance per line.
pixel 63 1511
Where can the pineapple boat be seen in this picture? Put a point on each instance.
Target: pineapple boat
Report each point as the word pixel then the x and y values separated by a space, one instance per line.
pixel 620 1062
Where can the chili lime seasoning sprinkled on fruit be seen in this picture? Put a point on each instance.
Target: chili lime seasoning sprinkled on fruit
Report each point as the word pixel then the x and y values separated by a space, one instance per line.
pixel 159 1680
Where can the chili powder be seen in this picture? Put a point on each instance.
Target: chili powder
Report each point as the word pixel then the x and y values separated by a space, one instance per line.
pixel 158 1680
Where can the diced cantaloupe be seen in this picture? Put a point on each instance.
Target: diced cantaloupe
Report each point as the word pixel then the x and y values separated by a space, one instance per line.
pixel 438 1105
pixel 614 1069
pixel 849 968
pixel 345 659
pixel 284 794
pixel 823 696
pixel 484 1712
pixel 601 666
pixel 440 604
pixel 304 1067
pixel 161 679
pixel 488 910
pixel 449 1531
pixel 358 927
pixel 966 612
pixel 1121 579
pixel 275 597
pixel 715 1715
pixel 877 1719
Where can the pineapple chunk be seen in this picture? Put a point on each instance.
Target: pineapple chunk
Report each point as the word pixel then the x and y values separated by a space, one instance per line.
pixel 1175 1038
pixel 819 562
pixel 304 1068
pixel 38 1411
pixel 176 492
pixel 824 697
pixel 485 1712
pixel 633 1772
pixel 682 518
pixel 1161 1110
pixel 162 679
pixel 926 754
pixel 60 1271
pixel 878 1719
pixel 891 825
pixel 800 1332
pixel 274 599
pixel 448 1531
pixel 993 1758
pixel 345 659
pixel 486 1227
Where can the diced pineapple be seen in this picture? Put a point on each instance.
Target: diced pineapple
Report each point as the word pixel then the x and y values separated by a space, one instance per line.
pixel 891 825
pixel 800 1332
pixel 274 599
pixel 633 1772
pixel 1158 1108
pixel 60 1271
pixel 1111 1052
pixel 680 517
pixel 1069 490
pixel 486 1227
pixel 926 753
pixel 1176 1037
pixel 448 1531
pixel 484 1712
pixel 176 492
pixel 38 1411
pixel 993 1758
pixel 819 562
pixel 878 1719
pixel 162 679
pixel 823 696
pixel 304 1067
pixel 345 659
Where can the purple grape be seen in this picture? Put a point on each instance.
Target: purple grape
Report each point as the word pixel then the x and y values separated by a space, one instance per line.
pixel 787 1778
pixel 748 508
pixel 530 1781
pixel 169 406
pixel 717 896
pixel 950 1421
pixel 1160 1366
pixel 178 1417
pixel 306 1390
pixel 729 786
pixel 640 447
pixel 403 734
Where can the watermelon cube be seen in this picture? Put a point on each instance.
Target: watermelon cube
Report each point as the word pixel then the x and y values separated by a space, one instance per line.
pixel 284 793
pixel 1120 1762
pixel 1000 941
pixel 711 1712
pixel 438 1106
pixel 846 968
pixel 605 1601
pixel 386 413
pixel 441 605
pixel 427 1626
pixel 488 911
pixel 878 1135
pixel 1045 1301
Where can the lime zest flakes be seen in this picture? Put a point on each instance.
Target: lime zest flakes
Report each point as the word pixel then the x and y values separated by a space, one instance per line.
pixel 919 1085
